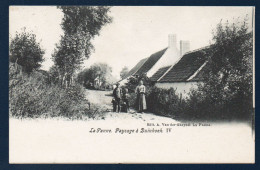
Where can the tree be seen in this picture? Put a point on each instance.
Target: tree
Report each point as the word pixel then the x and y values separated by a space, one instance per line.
pixel 80 25
pixel 99 70
pixel 228 83
pixel 124 72
pixel 26 51
pixel 102 70
pixel 54 74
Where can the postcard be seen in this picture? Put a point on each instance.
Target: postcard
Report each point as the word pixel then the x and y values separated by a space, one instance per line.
pixel 131 84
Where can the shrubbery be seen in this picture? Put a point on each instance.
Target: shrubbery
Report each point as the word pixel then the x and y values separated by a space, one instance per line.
pixel 197 106
pixel 33 96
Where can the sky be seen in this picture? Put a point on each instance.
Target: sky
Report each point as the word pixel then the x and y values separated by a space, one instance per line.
pixel 135 33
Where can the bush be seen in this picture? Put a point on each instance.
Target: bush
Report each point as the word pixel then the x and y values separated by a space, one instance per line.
pixel 132 100
pixel 161 101
pixel 165 102
pixel 32 96
pixel 198 106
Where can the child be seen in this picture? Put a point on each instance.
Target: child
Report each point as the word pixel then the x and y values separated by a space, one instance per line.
pixel 114 105
pixel 125 98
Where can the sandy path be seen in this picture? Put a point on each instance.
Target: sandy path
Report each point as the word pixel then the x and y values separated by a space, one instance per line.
pixel 103 98
pixel 99 97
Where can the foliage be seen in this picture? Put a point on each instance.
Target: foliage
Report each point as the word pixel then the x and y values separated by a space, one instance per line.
pixel 133 82
pixel 99 70
pixel 80 25
pixel 54 94
pixel 229 78
pixel 124 72
pixel 32 96
pixel 26 51
pixel 164 102
pixel 54 75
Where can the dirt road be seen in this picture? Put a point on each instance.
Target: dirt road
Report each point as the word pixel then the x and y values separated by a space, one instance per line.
pixel 103 98
pixel 99 97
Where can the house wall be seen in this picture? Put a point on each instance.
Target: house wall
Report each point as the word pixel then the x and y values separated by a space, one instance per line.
pixel 170 57
pixel 180 87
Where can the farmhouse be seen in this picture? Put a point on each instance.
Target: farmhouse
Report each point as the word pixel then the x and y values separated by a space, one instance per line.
pixel 171 68
pixel 166 57
pixel 187 73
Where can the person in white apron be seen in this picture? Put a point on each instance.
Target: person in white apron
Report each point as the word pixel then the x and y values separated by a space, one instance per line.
pixel 140 91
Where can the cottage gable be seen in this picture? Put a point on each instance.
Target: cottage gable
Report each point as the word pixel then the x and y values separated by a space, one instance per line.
pixel 150 62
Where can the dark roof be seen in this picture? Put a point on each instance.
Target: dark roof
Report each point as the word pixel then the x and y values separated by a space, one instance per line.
pixel 187 66
pixel 135 68
pixel 201 74
pixel 149 63
pixel 159 73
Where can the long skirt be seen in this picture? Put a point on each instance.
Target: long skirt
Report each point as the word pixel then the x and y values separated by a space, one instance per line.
pixel 141 102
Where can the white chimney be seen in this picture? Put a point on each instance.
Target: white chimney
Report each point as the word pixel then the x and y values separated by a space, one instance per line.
pixel 184 47
pixel 172 41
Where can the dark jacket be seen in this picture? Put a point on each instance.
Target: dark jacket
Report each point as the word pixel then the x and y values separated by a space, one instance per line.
pixel 117 93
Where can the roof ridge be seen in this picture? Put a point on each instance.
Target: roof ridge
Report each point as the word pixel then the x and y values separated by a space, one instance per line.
pixel 197 71
pixel 198 49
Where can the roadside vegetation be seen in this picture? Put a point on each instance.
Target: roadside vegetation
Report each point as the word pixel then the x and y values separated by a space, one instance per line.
pixel 55 93
pixel 35 96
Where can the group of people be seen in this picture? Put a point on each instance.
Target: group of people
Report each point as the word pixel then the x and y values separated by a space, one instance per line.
pixel 121 98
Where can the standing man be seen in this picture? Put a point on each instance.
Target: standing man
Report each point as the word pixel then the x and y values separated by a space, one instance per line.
pixel 117 97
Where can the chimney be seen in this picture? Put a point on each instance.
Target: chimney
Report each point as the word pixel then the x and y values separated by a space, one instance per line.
pixel 172 41
pixel 184 47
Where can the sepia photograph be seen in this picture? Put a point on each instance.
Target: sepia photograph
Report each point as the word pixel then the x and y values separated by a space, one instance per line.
pixel 131 84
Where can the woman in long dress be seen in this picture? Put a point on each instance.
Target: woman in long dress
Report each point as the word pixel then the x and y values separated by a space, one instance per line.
pixel 140 91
